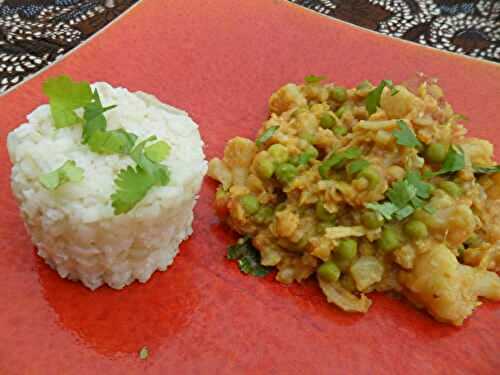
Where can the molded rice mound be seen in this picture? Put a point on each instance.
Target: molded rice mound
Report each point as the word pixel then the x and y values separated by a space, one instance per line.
pixel 74 227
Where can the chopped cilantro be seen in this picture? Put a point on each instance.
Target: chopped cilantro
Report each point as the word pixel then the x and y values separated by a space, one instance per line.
pixel 356 166
pixel 401 193
pixel 132 186
pixel 68 172
pixel 158 151
pixel 423 188
pixel 112 142
pixel 159 172
pixel 65 96
pixel 314 79
pixel 405 136
pixel 386 209
pixel 454 161
pixel 144 353
pixel 336 159
pixel 487 170
pixel 93 116
pixel 404 212
pixel 404 197
pixel 429 209
pixel 373 98
pixel 264 137
pixel 248 257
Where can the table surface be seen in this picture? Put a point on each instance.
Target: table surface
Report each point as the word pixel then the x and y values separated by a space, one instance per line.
pixel 35 33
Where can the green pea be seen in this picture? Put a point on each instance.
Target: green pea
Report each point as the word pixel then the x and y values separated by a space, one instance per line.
pixel 322 213
pixel 339 94
pixel 329 271
pixel 389 240
pixel 451 188
pixel 436 153
pixel 347 249
pixel 372 219
pixel 371 175
pixel 340 130
pixel 279 153
pixel 416 229
pixel 327 121
pixel 264 215
pixel 250 204
pixel 265 167
pixel 309 137
pixel 311 152
pixel 286 172
pixel 340 112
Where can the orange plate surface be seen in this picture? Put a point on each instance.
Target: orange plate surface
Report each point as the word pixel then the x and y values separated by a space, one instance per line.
pixel 220 60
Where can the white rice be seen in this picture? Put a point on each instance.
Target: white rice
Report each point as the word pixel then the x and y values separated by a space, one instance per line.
pixel 74 227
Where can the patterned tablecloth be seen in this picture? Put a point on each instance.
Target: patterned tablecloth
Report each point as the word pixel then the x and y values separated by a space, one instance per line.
pixel 34 33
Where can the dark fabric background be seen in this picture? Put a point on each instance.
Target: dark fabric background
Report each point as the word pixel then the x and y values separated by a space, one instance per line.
pixel 34 33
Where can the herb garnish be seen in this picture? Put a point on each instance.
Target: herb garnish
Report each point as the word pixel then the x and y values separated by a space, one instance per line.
pixel 373 98
pixel 144 353
pixel 68 172
pixel 487 170
pixel 405 136
pixel 314 79
pixel 404 197
pixel 248 257
pixel 264 137
pixel 335 159
pixel 64 97
pixel 454 161
pixel 132 183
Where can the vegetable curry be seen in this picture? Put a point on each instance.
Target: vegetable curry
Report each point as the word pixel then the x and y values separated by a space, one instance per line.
pixel 372 188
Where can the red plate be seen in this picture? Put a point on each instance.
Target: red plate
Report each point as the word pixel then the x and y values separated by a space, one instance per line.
pixel 221 61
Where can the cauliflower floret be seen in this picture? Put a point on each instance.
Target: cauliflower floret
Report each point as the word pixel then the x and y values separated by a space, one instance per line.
pixel 448 290
pixel 286 98
pixel 398 105
pixel 479 151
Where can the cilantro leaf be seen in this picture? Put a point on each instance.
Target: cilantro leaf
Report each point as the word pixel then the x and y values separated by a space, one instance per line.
pixel 144 353
pixel 64 97
pixel 386 209
pixel 112 142
pixel 134 183
pixel 68 172
pixel 429 209
pixel 336 159
pixel 158 151
pixel 404 212
pixel 401 193
pixel 404 197
pixel 159 172
pixel 132 186
pixel 264 137
pixel 314 79
pixel 373 98
pixel 356 166
pixel 248 258
pixel 454 161
pixel 405 136
pixel 93 117
pixel 487 170
pixel 423 188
